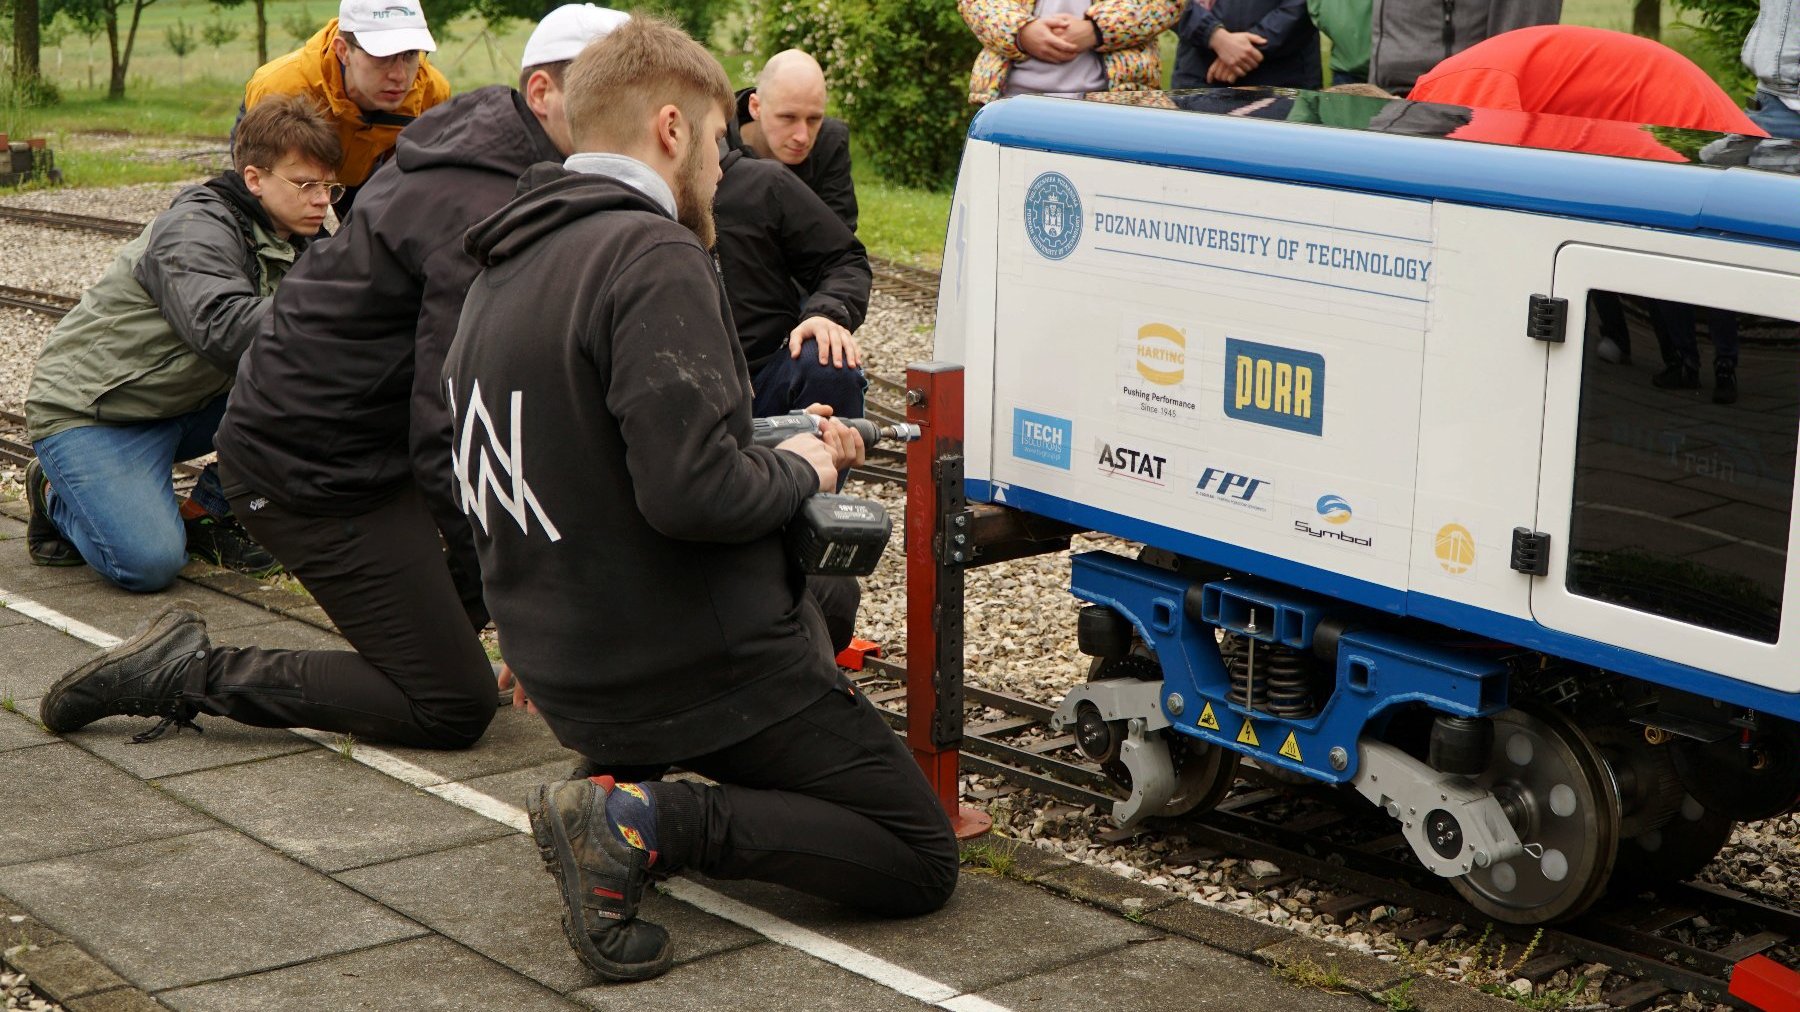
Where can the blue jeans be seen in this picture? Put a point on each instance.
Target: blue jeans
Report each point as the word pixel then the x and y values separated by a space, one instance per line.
pixel 1774 116
pixel 112 497
pixel 785 384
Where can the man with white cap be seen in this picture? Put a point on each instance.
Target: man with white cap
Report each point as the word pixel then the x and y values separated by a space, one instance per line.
pixel 366 70
pixel 336 453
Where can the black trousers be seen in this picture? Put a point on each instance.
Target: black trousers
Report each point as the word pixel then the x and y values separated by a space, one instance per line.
pixel 418 676
pixel 829 802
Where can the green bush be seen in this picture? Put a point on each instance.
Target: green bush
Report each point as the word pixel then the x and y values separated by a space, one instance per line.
pixel 1719 28
pixel 898 72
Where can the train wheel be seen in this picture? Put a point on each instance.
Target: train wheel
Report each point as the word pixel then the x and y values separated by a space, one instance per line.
pixel 1560 796
pixel 1204 772
pixel 1674 851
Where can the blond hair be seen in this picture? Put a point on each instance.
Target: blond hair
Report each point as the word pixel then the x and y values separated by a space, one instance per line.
pixel 612 88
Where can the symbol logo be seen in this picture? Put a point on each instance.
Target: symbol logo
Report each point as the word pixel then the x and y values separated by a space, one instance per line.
pixel 1334 509
pixel 1127 462
pixel 1161 354
pixel 479 477
pixel 1042 439
pixel 1455 549
pixel 1231 488
pixel 1278 387
pixel 1053 215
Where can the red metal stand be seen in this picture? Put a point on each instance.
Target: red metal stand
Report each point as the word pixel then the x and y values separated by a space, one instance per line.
pixel 934 585
pixel 1766 984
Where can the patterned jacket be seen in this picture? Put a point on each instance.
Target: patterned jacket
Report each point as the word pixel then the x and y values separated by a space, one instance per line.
pixel 1128 41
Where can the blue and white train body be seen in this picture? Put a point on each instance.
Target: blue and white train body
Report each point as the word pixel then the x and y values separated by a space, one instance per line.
pixel 1412 520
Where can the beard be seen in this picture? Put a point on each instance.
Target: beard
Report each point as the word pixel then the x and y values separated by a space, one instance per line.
pixel 691 209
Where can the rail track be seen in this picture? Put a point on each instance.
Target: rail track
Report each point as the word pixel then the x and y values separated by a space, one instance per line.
pixel 1355 859
pixel 49 303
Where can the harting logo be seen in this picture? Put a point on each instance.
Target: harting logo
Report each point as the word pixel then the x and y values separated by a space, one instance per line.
pixel 479 481
pixel 1123 461
pixel 1161 354
pixel 1279 387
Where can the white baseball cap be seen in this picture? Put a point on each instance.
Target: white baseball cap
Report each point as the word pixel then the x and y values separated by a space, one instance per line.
pixel 567 30
pixel 386 27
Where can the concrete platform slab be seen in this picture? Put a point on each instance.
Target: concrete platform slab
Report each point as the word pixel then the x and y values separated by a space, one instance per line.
pixel 1170 973
pixel 19 576
pixel 1105 890
pixel 281 634
pixel 763 976
pixel 1034 930
pixel 19 731
pixel 104 606
pixel 330 813
pixel 515 740
pixel 1365 973
pixel 1435 994
pixel 36 656
pixel 1216 928
pixel 196 908
pixel 513 786
pixel 60 801
pixel 420 975
pixel 509 910
pixel 221 743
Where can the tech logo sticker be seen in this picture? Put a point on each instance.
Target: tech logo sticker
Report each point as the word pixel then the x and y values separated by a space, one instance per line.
pixel 1053 215
pixel 1152 371
pixel 1278 387
pixel 1042 439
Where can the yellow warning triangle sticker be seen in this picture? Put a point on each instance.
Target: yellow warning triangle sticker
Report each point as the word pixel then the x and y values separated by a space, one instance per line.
pixel 1207 720
pixel 1291 748
pixel 1247 736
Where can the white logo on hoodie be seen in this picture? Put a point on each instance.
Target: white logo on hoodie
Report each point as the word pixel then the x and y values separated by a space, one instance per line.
pixel 520 502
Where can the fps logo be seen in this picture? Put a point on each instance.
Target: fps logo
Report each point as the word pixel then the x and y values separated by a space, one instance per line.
pixel 1279 387
pixel 1232 489
pixel 1053 215
pixel 1042 439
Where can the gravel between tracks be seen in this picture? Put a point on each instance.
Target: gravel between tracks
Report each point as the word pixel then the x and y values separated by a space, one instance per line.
pixel 1020 632
pixel 17 991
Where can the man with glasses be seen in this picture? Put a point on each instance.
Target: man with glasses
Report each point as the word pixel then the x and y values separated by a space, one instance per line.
pixel 367 69
pixel 135 378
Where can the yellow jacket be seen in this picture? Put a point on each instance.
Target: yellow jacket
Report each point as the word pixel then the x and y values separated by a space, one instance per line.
pixel 367 137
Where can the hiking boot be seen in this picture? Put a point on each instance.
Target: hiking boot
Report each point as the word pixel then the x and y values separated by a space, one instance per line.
pixel 225 542
pixel 141 677
pixel 44 544
pixel 601 877
pixel 1677 376
pixel 1725 383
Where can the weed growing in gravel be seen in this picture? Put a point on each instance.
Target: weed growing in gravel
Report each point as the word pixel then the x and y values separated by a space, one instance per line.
pixel 1306 973
pixel 1491 974
pixel 1399 997
pixel 7 702
pixel 346 747
pixel 997 858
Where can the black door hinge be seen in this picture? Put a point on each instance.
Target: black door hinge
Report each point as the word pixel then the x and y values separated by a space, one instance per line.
pixel 1547 319
pixel 1530 551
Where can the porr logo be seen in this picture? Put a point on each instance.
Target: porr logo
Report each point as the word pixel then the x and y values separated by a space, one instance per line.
pixel 1161 354
pixel 1278 387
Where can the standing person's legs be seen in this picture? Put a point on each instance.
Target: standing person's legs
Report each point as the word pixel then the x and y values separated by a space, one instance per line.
pixel 111 496
pixel 1774 115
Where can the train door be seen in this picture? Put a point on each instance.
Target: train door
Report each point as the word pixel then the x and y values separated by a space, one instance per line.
pixel 1667 486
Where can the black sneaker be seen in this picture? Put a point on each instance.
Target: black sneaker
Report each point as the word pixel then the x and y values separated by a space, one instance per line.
pixel 44 544
pixel 601 878
pixel 1724 383
pixel 141 677
pixel 1677 377
pixel 226 543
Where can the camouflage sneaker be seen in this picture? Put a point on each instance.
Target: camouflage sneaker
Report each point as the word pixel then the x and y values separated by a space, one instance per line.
pixel 601 878
pixel 141 677
pixel 44 544
pixel 225 542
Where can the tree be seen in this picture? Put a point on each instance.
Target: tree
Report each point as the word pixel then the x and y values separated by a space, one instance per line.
pixel 262 26
pixel 1646 19
pixel 219 33
pixel 181 42
pixel 1719 28
pixel 105 14
pixel 25 68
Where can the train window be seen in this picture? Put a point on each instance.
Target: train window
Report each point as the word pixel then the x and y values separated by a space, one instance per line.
pixel 1684 462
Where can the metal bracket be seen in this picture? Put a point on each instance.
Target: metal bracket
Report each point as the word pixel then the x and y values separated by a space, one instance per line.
pixel 1530 551
pixel 1453 827
pixel 1547 319
pixel 1144 751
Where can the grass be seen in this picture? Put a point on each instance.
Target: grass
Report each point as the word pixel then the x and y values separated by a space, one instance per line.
pixel 8 701
pixel 346 747
pixel 1307 973
pixel 991 857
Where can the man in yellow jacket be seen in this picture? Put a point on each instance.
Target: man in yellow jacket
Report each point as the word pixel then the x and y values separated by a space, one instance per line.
pixel 366 70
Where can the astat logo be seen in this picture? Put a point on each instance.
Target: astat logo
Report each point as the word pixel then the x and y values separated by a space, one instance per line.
pixel 479 465
pixel 1126 462
pixel 1234 489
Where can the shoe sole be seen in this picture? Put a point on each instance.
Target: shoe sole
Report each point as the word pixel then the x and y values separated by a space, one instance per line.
pixel 151 631
pixel 559 857
pixel 53 553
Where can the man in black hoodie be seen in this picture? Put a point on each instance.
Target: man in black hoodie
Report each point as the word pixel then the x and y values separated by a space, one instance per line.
pixel 630 535
pixel 335 453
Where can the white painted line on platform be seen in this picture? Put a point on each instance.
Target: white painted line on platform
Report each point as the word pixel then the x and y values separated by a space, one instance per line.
pixel 776 929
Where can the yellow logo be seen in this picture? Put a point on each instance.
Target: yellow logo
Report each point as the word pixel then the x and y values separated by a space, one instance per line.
pixel 1455 549
pixel 1161 354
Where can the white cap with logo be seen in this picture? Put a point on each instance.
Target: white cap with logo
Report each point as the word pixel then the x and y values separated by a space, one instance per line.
pixel 386 27
pixel 567 30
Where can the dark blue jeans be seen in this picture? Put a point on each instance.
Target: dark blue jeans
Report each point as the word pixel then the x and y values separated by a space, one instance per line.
pixel 785 384
pixel 113 499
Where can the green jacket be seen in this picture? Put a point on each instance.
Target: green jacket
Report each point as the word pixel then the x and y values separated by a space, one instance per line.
pixel 1347 24
pixel 160 334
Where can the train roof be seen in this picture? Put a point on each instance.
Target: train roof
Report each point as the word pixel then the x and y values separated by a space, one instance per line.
pixel 1599 169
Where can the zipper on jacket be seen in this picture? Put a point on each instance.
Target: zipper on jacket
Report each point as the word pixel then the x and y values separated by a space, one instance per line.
pixel 1449 28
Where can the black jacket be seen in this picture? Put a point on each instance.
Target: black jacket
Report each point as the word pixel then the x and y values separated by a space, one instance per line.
pixel 1290 56
pixel 826 170
pixel 629 533
pixel 340 406
pixel 774 235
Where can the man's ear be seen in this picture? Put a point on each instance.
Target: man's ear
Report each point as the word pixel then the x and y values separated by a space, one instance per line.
pixel 253 180
pixel 755 106
pixel 535 87
pixel 670 126
pixel 340 48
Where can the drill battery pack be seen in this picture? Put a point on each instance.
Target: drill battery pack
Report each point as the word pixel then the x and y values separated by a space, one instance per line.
pixel 838 535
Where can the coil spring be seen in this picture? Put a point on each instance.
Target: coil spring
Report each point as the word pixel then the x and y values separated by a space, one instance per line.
pixel 1280 684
